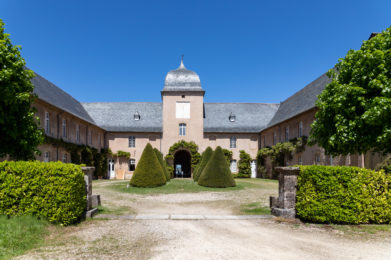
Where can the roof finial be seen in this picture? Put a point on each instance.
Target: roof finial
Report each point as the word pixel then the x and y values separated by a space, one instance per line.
pixel 182 66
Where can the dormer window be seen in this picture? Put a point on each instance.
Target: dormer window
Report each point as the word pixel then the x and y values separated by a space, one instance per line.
pixel 137 116
pixel 232 117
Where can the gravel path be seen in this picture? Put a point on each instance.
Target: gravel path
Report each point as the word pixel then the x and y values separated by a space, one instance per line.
pixel 268 238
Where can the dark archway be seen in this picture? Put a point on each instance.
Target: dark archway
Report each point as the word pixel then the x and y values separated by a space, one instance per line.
pixel 182 164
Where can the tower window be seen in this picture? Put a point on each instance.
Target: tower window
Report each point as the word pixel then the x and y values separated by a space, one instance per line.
pixel 182 129
pixel 232 142
pixel 132 141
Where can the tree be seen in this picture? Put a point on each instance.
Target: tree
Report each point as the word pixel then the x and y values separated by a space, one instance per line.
pixel 159 156
pixel 19 133
pixel 244 165
pixel 205 158
pixel 216 173
pixel 148 172
pixel 354 113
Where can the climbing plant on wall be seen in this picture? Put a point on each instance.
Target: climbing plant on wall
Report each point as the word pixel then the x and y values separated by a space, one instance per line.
pixel 190 146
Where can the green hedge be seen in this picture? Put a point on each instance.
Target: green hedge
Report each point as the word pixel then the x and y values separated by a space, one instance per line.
pixel 216 173
pixel 343 195
pixel 149 172
pixel 205 158
pixel 54 190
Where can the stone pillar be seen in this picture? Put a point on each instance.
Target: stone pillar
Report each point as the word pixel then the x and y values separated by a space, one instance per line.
pixel 88 172
pixel 285 204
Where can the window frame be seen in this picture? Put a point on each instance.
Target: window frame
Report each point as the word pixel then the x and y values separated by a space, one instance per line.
pixel 64 128
pixel 232 142
pixel 300 132
pixel 47 122
pixel 182 129
pixel 132 165
pixel 132 141
pixel 235 164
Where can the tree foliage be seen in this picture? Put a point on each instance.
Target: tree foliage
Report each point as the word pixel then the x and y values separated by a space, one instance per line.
pixel 354 113
pixel 19 134
pixel 244 165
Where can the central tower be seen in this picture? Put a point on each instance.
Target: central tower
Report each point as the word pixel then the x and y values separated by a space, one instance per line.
pixel 183 107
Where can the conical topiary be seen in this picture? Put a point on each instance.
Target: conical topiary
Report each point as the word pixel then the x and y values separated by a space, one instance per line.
pixel 204 161
pixel 148 172
pixel 159 156
pixel 216 173
pixel 197 166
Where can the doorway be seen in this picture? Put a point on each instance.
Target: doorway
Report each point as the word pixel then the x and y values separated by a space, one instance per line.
pixel 182 164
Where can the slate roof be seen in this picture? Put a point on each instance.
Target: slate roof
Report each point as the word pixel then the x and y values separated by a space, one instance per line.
pixel 301 101
pixel 249 117
pixel 55 96
pixel 182 79
pixel 119 117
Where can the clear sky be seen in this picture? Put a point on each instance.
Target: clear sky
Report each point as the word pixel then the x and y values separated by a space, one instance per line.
pixel 243 51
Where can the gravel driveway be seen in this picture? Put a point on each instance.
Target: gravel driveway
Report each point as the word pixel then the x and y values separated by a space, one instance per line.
pixel 203 239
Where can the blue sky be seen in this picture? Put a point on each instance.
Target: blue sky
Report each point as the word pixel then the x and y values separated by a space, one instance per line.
pixel 243 51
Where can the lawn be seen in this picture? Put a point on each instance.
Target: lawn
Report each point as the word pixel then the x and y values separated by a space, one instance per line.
pixel 189 186
pixel 19 234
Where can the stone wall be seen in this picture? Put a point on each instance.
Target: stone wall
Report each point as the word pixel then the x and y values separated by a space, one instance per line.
pixel 285 204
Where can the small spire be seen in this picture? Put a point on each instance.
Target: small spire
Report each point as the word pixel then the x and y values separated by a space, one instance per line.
pixel 182 66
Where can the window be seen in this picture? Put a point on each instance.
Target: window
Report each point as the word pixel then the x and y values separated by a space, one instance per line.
pixel 182 109
pixel 132 164
pixel 300 160
pixel 264 141
pixel 64 157
pixel 287 134
pixel 90 136
pixel 233 166
pixel 47 123
pixel 78 133
pixel 300 129
pixel 317 159
pixel 47 157
pixel 274 137
pixel 64 128
pixel 132 141
pixel 331 160
pixel 182 129
pixel 232 117
pixel 137 116
pixel 232 142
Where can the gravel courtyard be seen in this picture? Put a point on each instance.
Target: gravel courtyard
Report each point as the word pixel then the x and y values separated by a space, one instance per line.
pixel 268 238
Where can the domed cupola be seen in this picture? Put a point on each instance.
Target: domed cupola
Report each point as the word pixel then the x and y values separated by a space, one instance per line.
pixel 182 79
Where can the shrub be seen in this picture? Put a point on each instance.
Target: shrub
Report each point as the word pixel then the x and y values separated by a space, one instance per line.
pixel 228 155
pixel 244 165
pixel 55 190
pixel 159 156
pixel 343 195
pixel 384 165
pixel 148 172
pixel 216 173
pixel 205 158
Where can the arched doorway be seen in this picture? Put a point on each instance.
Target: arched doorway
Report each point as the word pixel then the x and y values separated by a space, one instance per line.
pixel 182 164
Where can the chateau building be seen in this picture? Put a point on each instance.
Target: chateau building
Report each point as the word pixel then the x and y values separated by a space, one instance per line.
pixel 181 115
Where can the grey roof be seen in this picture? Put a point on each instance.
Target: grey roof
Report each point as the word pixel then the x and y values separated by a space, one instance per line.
pixel 182 79
pixel 249 117
pixel 119 117
pixel 301 101
pixel 55 96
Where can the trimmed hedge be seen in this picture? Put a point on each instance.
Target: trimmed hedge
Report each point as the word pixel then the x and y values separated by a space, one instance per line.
pixel 205 158
pixel 54 190
pixel 159 156
pixel 216 173
pixel 244 165
pixel 343 195
pixel 149 172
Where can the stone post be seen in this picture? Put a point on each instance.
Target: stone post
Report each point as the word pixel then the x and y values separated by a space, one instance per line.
pixel 285 204
pixel 88 172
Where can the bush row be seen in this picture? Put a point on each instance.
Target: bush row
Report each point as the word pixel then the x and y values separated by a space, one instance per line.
pixel 54 190
pixel 343 195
